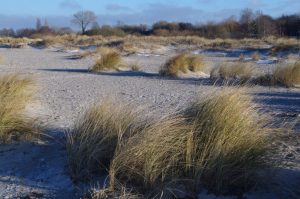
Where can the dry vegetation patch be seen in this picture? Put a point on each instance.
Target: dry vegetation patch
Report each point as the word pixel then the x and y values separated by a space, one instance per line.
pixel 16 93
pixel 239 71
pixel 96 135
pixel 286 75
pixel 219 142
pixel 182 63
pixel 110 60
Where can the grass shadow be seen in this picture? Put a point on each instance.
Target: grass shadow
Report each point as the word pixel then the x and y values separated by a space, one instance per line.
pixel 140 74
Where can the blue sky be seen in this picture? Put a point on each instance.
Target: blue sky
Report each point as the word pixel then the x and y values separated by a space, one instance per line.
pixel 23 13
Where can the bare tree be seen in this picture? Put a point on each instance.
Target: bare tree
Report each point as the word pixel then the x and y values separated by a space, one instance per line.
pixel 84 19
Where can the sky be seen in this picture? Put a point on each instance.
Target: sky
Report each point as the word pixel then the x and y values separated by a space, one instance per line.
pixel 23 13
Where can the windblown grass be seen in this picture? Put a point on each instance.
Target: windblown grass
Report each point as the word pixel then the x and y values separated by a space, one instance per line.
pixel 219 143
pixel 229 143
pixel 110 60
pixel 238 70
pixel 96 135
pixel 182 63
pixel 15 94
pixel 287 75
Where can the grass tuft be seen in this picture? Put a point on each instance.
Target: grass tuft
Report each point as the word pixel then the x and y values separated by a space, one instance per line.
pixel 96 135
pixel 228 146
pixel 288 75
pixel 110 60
pixel 16 92
pixel 219 143
pixel 182 63
pixel 233 71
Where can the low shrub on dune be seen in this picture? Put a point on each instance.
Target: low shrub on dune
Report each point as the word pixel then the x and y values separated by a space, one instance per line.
pixel 182 63
pixel 16 93
pixel 96 135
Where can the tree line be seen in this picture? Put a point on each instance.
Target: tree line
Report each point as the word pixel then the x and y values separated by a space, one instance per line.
pixel 250 24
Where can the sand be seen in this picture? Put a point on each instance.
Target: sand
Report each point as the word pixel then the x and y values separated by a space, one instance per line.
pixel 66 89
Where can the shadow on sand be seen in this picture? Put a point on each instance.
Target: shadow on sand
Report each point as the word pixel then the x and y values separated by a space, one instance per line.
pixel 139 74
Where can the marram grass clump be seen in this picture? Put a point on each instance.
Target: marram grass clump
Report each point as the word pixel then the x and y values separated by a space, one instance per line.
pixel 16 92
pixel 286 75
pixel 219 143
pixel 233 71
pixel 110 60
pixel 182 63
pixel 92 142
pixel 228 146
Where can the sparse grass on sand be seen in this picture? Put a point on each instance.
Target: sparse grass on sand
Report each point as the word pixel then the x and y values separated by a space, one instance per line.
pixel 96 135
pixel 15 93
pixel 182 63
pixel 219 143
pixel 110 60
pixel 287 75
pixel 234 71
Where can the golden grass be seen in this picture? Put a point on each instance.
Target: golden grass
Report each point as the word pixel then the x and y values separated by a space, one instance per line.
pixel 110 60
pixel 15 94
pixel 131 41
pixel 152 157
pixel 96 135
pixel 220 142
pixel 182 63
pixel 229 143
pixel 288 75
pixel 233 71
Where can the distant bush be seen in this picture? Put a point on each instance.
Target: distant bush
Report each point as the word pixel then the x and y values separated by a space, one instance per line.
pixel 106 31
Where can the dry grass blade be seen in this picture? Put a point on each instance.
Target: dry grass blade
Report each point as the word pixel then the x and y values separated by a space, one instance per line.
pixel 16 93
pixel 96 135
